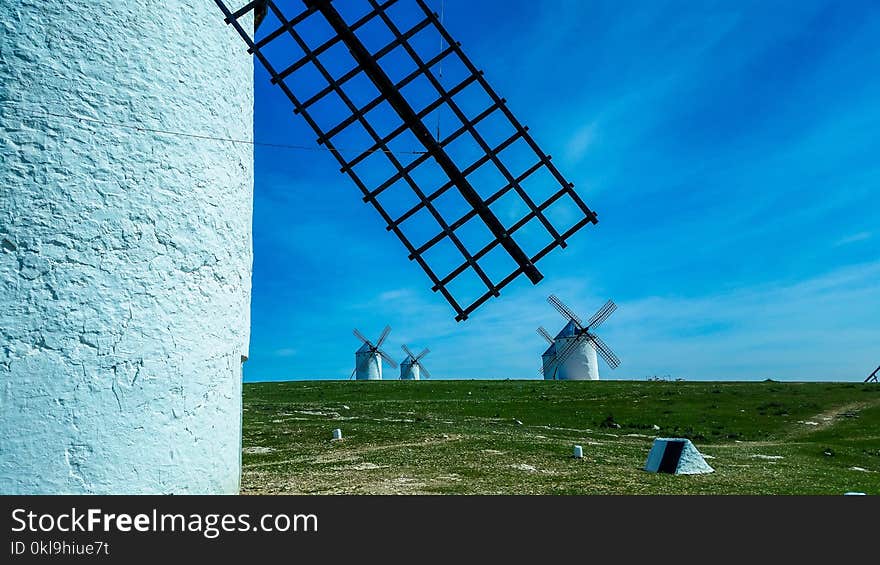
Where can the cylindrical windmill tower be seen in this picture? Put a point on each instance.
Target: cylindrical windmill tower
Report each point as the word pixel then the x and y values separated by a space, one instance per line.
pixel 581 364
pixel 125 254
pixel 548 363
pixel 409 370
pixel 368 364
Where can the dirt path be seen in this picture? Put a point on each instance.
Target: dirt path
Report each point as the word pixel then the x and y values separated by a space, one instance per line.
pixel 828 418
pixel 822 421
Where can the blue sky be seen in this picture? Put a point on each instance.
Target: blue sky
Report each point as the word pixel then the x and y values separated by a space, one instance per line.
pixel 731 150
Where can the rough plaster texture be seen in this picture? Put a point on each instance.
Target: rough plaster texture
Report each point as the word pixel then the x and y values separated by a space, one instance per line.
pixel 125 256
pixel 368 365
pixel 410 371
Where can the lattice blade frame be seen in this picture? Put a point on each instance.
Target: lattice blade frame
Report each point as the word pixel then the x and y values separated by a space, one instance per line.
pixel 408 352
pixel 435 150
pixel 602 314
pixel 545 334
pixel 605 351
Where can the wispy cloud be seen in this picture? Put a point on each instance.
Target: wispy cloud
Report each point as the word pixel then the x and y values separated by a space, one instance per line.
pixel 581 142
pixel 821 328
pixel 856 237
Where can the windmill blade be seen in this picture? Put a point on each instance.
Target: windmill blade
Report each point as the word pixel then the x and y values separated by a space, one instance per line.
pixel 605 352
pixel 545 334
pixel 562 356
pixel 353 373
pixel 541 370
pixel 424 371
pixel 384 336
pixel 423 354
pixel 565 310
pixel 361 337
pixel 602 315
pixel 408 352
pixel 387 358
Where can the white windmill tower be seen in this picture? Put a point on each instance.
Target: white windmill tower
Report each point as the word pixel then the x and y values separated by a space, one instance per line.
pixel 411 368
pixel 368 358
pixel 125 252
pixel 572 354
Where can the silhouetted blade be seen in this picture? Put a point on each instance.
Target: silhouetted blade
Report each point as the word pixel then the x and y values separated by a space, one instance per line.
pixel 384 336
pixel 408 352
pixel 422 355
pixel 564 310
pixel 602 315
pixel 545 334
pixel 387 358
pixel 605 352
pixel 361 337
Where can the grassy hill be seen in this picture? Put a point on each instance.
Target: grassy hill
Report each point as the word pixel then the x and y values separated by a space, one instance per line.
pixel 516 437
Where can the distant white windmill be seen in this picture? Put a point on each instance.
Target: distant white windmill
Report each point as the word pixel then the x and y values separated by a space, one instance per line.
pixel 411 368
pixel 572 353
pixel 368 359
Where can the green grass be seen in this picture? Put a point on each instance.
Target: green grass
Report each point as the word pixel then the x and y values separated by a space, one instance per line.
pixel 516 437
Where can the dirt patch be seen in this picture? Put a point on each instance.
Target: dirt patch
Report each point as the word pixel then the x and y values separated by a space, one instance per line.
pixel 257 450
pixel 365 466
pixel 524 467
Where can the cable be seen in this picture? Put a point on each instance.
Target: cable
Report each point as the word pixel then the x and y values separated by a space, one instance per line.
pixel 46 114
pixel 440 63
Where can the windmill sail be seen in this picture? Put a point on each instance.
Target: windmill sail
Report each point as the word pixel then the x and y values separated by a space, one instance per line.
pixel 437 158
pixel 545 334
pixel 602 315
pixel 604 351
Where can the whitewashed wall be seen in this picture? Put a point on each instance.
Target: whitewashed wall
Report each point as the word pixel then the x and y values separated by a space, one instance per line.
pixel 581 364
pixel 125 256
pixel 368 365
pixel 410 371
